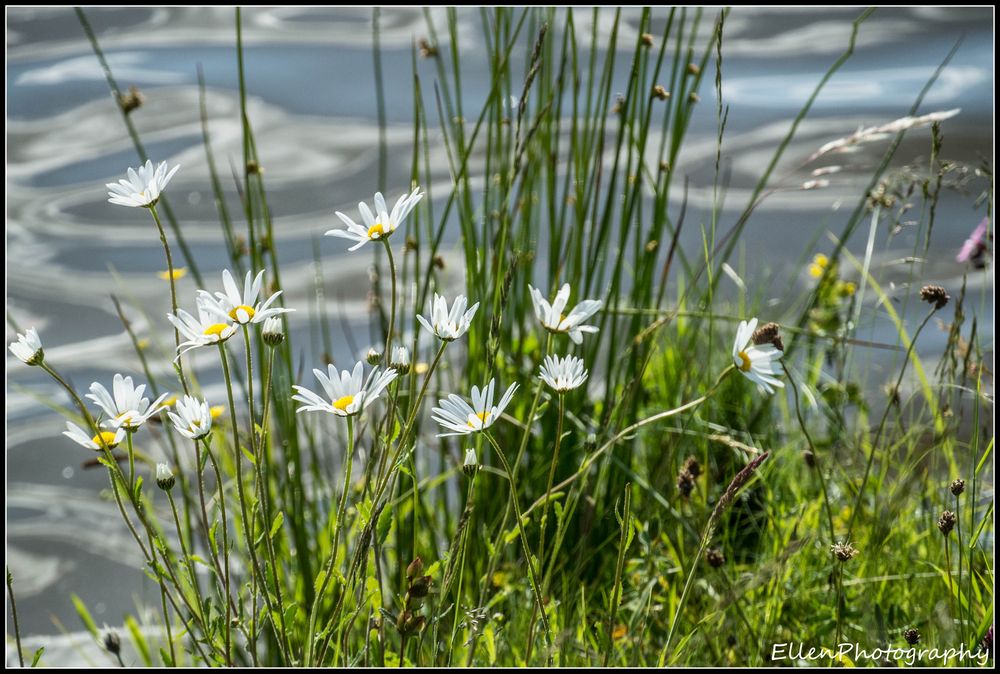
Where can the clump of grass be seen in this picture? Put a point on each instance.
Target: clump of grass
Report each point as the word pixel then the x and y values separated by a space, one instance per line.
pixel 275 548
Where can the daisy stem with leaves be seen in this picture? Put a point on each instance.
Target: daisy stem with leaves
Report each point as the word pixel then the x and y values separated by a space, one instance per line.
pixel 221 569
pixel 328 568
pixel 532 574
pixel 552 475
pixel 244 515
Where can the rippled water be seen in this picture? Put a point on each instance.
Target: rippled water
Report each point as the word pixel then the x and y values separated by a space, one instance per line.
pixel 310 78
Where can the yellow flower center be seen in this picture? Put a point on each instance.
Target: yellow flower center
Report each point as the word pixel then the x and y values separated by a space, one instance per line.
pixel 745 365
pixel 249 310
pixel 342 403
pixel 215 329
pixel 172 400
pixel 376 231
pixel 105 438
pixel 482 417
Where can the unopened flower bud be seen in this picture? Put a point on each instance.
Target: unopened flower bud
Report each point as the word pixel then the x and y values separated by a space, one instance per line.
pixel 400 360
pixel 273 332
pixel 164 478
pixel 471 464
pixel 415 568
pixel 912 636
pixel 374 356
pixel 111 641
pixel 660 93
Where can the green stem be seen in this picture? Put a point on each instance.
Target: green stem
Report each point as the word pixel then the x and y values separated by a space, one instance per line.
pixel 238 458
pixel 881 425
pixel 338 525
pixel 392 307
pixel 13 611
pixel 532 574
pixel 223 574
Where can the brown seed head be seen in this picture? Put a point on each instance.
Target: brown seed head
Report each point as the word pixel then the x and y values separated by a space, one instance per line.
pixel 946 522
pixel 935 295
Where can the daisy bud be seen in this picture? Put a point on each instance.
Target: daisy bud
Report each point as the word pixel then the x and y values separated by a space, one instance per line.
pixel 694 69
pixel 111 641
pixel 374 356
pixel 660 93
pixel 912 636
pixel 273 334
pixel 471 464
pixel 946 522
pixel 935 295
pixel 693 97
pixel 647 40
pixel 844 552
pixel 164 478
pixel 957 487
pixel 400 360
pixel 28 348
pixel 715 558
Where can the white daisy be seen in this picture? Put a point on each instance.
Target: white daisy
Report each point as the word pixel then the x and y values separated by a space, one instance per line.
pixel 98 442
pixel 193 418
pixel 552 317
pixel 563 374
pixel 347 394
pixel 127 409
pixel 380 224
pixel 242 308
pixel 143 186
pixel 456 415
pixel 449 325
pixel 756 362
pixel 201 331
pixel 28 347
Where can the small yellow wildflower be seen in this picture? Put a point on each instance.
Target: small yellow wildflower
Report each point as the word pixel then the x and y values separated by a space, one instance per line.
pixel 179 272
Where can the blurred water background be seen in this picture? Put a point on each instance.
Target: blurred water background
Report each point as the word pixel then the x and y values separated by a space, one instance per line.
pixel 312 102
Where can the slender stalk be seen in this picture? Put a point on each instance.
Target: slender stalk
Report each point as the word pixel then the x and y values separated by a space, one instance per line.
pixel 881 425
pixel 532 573
pixel 544 521
pixel 13 611
pixel 238 458
pixel 328 569
pixel 387 355
pixel 180 537
pixel 131 457
pixel 223 574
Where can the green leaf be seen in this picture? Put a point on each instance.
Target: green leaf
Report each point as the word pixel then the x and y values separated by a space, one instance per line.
pixel 383 526
pixel 81 610
pixel 167 660
pixel 250 457
pixel 279 519
pixel 38 656
pixel 140 641
pixel 137 489
pixel 491 645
